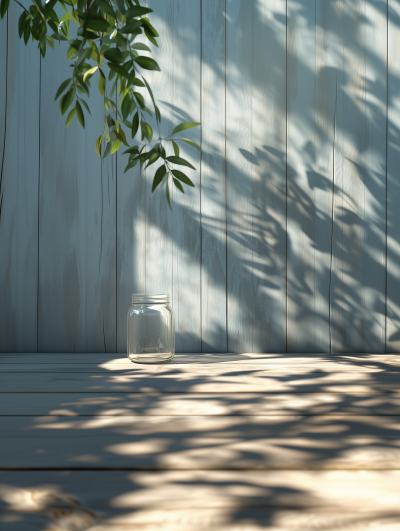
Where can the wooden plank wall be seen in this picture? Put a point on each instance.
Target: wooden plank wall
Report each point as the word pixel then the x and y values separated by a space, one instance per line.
pixel 290 240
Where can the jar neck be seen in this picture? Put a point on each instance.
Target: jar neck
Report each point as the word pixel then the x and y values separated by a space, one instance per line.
pixel 150 298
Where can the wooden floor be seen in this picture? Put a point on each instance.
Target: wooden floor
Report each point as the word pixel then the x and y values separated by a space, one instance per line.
pixel 222 442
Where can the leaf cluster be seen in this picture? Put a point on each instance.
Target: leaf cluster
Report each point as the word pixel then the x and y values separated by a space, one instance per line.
pixel 104 45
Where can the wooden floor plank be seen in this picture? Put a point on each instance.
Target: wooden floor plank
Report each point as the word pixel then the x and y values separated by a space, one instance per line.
pixel 201 442
pixel 189 359
pixel 201 379
pixel 31 491
pixel 211 368
pixel 200 500
pixel 247 404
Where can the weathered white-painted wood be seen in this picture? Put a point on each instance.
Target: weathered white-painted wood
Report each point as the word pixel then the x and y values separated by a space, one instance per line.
pixel 19 167
pixel 359 247
pixel 201 442
pixel 131 242
pixel 195 499
pixel 312 70
pixel 186 62
pixel 35 491
pixel 223 519
pixel 77 247
pixel 213 178
pixel 247 404
pixel 385 361
pixel 393 185
pixel 173 238
pixel 256 175
pixel 202 380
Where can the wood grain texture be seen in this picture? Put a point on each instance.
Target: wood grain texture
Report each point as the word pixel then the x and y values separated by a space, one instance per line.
pixel 203 379
pixel 213 178
pixel 359 247
pixel 223 519
pixel 310 130
pixel 19 166
pixel 197 500
pixel 75 360
pixel 77 248
pixel 186 29
pixel 202 443
pixel 393 186
pixel 256 175
pixel 35 491
pixel 214 404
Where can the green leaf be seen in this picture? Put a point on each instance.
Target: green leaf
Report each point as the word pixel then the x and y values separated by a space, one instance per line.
pixel 23 19
pixel 132 164
pixel 62 87
pixel 136 82
pixel 101 82
pixel 119 70
pixel 107 150
pixel 140 46
pixel 97 145
pixel 147 131
pixel 116 145
pixel 132 150
pixel 121 135
pixel 106 8
pixel 137 12
pixel 140 99
pixel 153 158
pixel 50 41
pixel 147 63
pixel 158 177
pixel 86 106
pixel 176 148
pixel 96 23
pixel 114 55
pixel 168 198
pixel 184 126
pixel 27 33
pixel 150 27
pixel 193 144
pixel 178 185
pixel 4 7
pixel 71 51
pixel 79 114
pixel 158 115
pixel 126 106
pixel 67 100
pixel 135 125
pixel 70 117
pixel 182 177
pixel 131 27
pixel 181 161
pixel 150 36
pixel 88 74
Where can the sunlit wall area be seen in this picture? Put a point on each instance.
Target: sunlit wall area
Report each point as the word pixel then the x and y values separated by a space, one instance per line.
pixel 290 240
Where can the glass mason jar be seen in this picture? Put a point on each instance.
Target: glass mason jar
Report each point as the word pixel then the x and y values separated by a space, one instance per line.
pixel 151 329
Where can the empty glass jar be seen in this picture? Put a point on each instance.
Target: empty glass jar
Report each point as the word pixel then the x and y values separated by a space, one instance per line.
pixel 151 329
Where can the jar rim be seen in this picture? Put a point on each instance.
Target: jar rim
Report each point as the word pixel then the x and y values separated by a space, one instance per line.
pixel 150 298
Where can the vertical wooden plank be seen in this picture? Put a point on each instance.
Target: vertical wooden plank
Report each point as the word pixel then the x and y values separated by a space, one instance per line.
pixel 173 239
pixel 393 182
pixel 19 149
pixel 213 178
pixel 77 259
pixel 310 124
pixel 158 261
pixel 359 252
pixel 186 216
pixel 131 242
pixel 256 175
